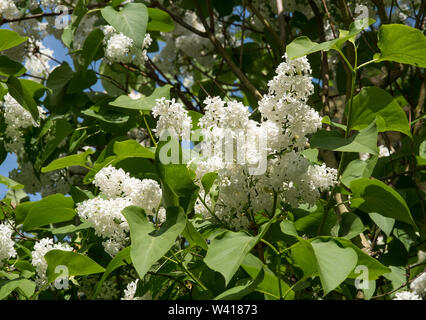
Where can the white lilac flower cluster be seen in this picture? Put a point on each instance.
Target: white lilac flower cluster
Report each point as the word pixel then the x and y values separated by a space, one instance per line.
pixel 171 116
pixel 39 262
pixel 8 9
pixel 419 285
pixel 7 244
pixel 119 191
pixel 16 119
pixel 406 295
pixel 277 141
pixel 130 291
pixel 120 48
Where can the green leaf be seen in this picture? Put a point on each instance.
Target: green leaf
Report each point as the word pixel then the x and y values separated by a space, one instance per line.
pixel 177 179
pixel 363 141
pixel 57 82
pixel 193 236
pixel 9 67
pixel 72 160
pixel 3 90
pixel 303 46
pixel 309 223
pixel 70 228
pixel 59 131
pixel 121 259
pixel 311 155
pixel 148 244
pixel 397 277
pixel 384 223
pixel 92 46
pixel 7 286
pixel 239 292
pixel 288 227
pixel 374 102
pixel 132 149
pixel 10 39
pixel 358 169
pixel 22 210
pixel 145 103
pixel 207 181
pixel 195 117
pixel 327 120
pixel 132 21
pixel 334 263
pixel 77 264
pixel 227 251
pixel 375 268
pixel 35 89
pixel 81 80
pixel 375 196
pixel 51 209
pixel 306 258
pixel 109 116
pixel 350 226
pixel 269 284
pixel 422 150
pixel 23 96
pixel 11 184
pixel 80 195
pixel 405 234
pixel 403 44
pixel 159 20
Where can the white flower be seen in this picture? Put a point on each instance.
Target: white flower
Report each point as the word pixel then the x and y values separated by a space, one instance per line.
pixel 286 122
pixel 130 291
pixel 118 48
pixel 105 215
pixel 122 49
pixel 144 193
pixel 7 244
pixel 106 218
pixel 234 116
pixel 384 151
pixel 37 63
pixel 17 118
pixel 8 9
pixel 406 295
pixel 286 105
pixel 172 118
pixel 110 181
pixel 50 3
pixel 419 285
pixel 39 262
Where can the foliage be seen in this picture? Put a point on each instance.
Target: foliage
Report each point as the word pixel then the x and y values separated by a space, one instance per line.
pixel 124 223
